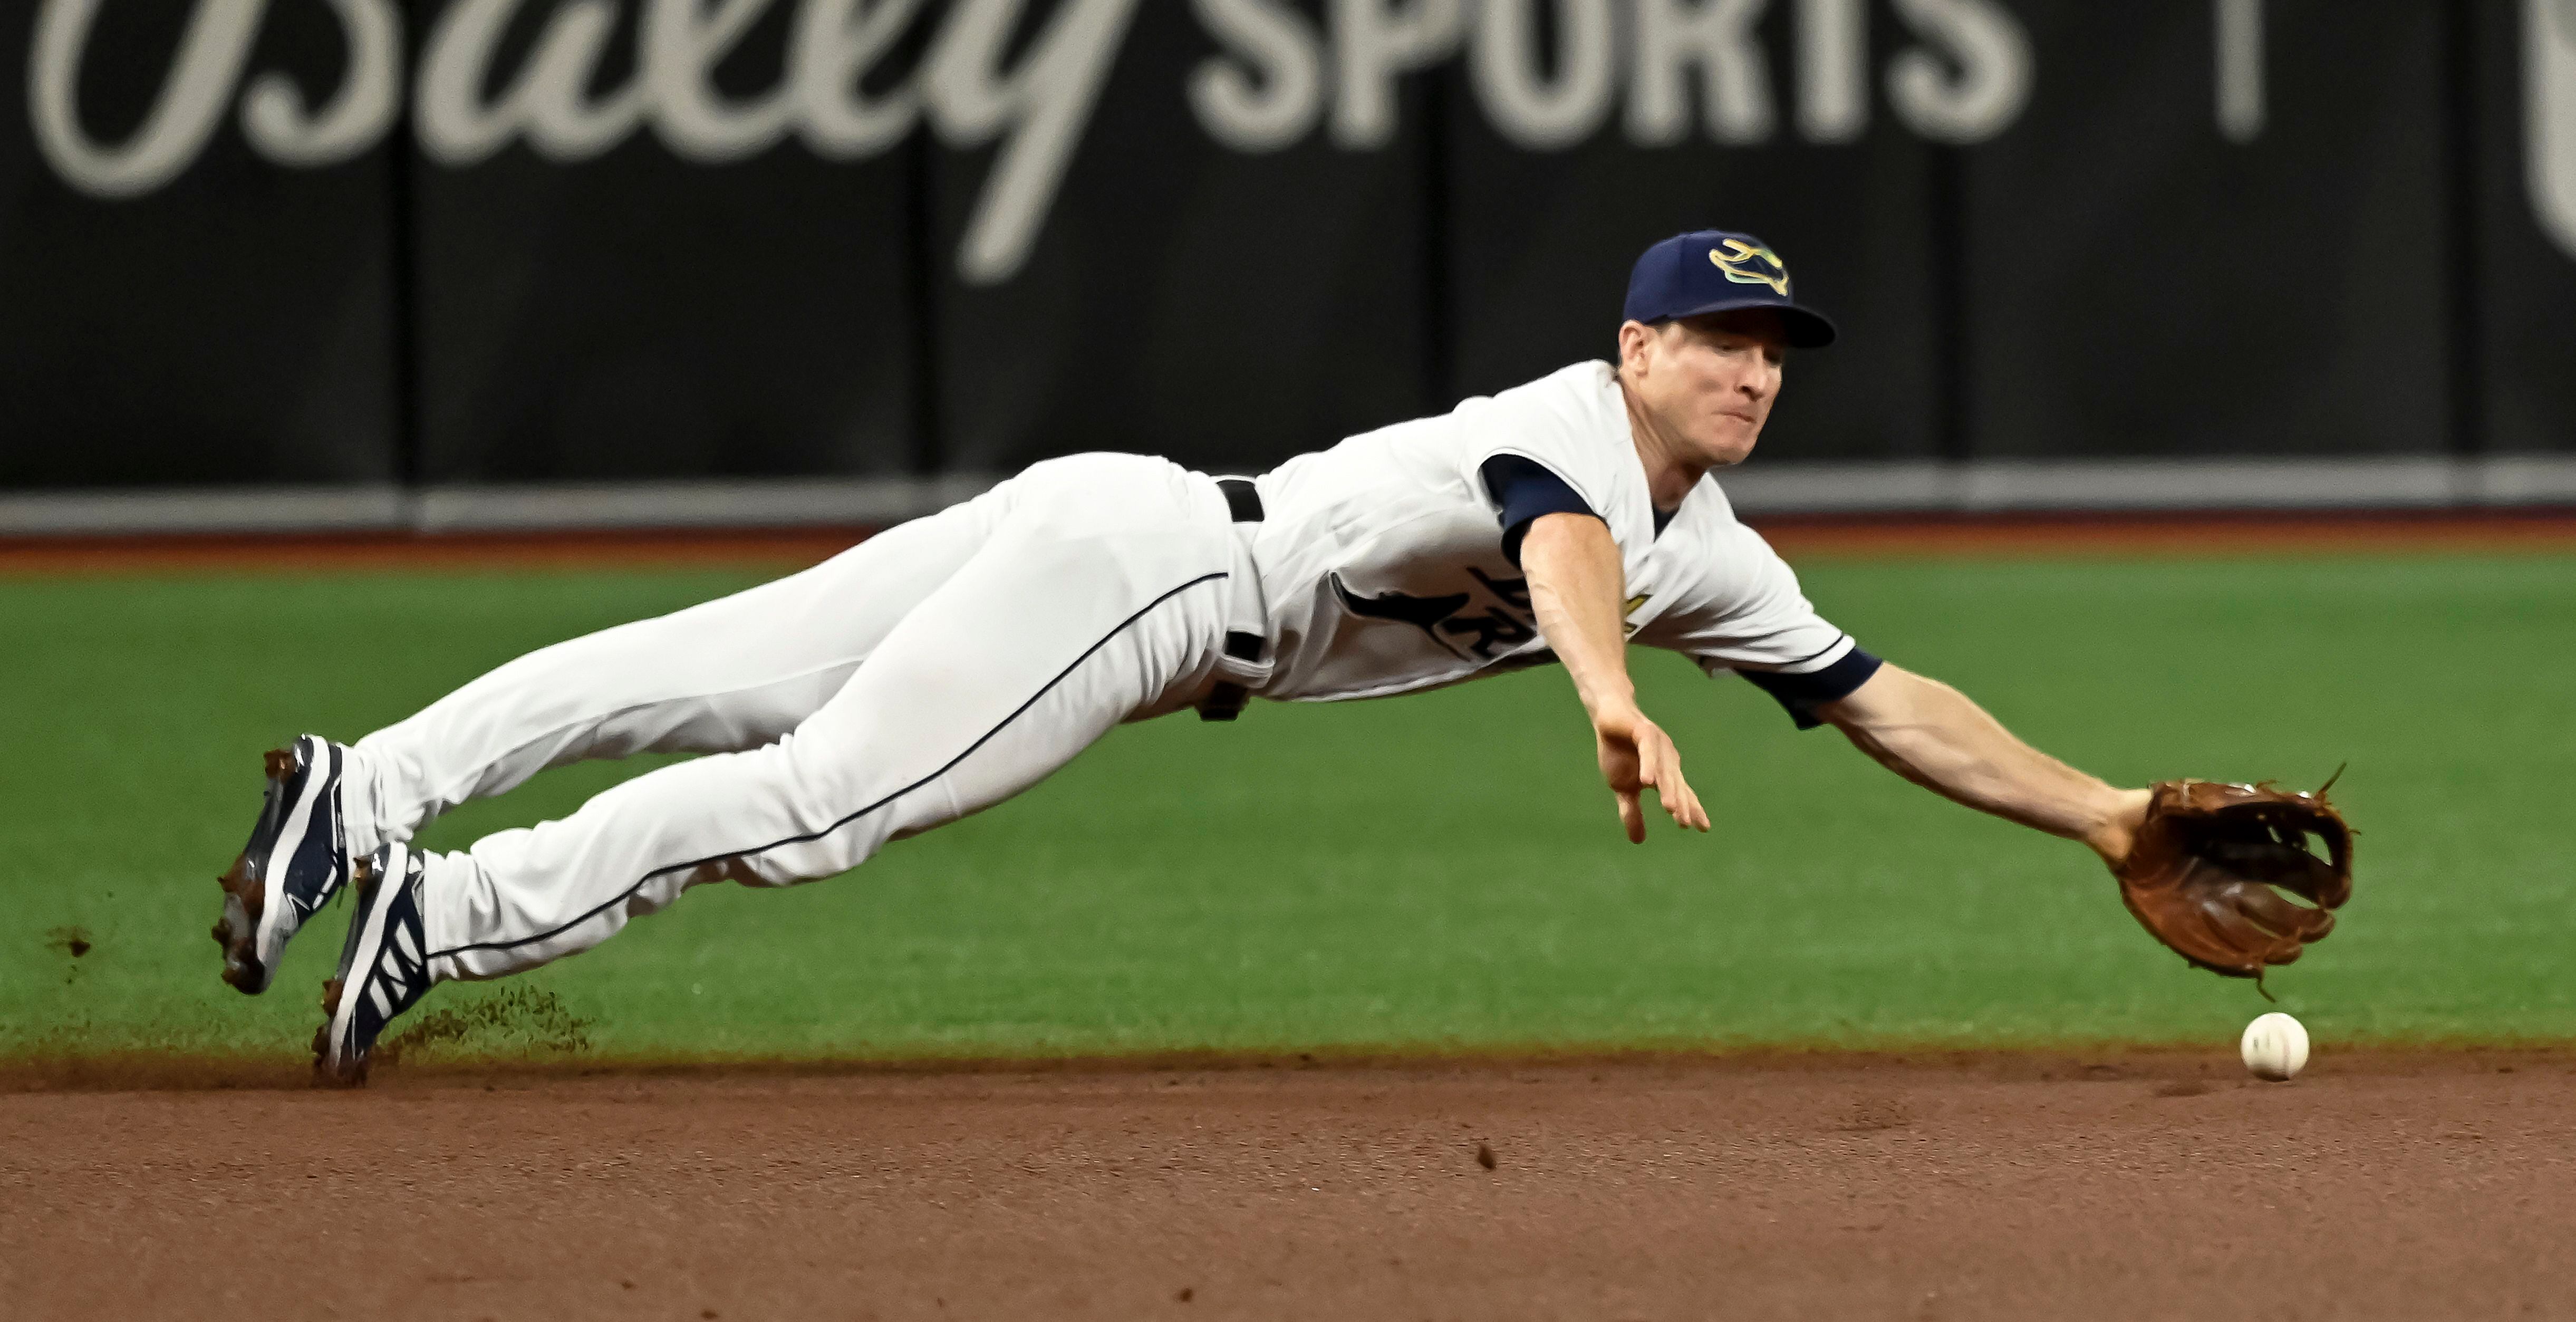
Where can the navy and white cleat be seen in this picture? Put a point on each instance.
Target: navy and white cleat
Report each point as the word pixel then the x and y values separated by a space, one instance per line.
pixel 297 857
pixel 384 967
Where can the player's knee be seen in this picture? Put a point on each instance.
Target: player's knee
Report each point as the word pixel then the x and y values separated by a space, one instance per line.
pixel 826 783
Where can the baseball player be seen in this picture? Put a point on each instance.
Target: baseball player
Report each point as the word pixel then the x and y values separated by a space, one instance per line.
pixel 949 663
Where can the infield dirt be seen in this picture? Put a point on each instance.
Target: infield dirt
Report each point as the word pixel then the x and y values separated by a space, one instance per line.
pixel 1989 1186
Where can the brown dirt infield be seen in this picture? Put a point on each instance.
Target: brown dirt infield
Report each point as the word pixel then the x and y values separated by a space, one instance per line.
pixel 2397 1185
pixel 2505 532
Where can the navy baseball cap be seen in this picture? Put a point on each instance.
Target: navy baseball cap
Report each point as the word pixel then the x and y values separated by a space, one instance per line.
pixel 1718 271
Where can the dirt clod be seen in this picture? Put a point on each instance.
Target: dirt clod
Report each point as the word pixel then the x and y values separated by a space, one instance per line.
pixel 1872 1114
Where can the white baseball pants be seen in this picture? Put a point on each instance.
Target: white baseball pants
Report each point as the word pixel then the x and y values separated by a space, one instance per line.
pixel 927 673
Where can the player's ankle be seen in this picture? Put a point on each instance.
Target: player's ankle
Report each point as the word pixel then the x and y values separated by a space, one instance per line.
pixel 361 822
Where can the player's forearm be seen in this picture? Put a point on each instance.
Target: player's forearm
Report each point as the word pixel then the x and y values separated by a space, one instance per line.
pixel 1577 586
pixel 1935 736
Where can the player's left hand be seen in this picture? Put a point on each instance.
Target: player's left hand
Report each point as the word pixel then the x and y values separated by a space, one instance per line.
pixel 2213 866
pixel 1635 754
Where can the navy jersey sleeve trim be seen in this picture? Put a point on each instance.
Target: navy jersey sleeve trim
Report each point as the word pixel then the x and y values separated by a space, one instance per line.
pixel 1802 694
pixel 1526 489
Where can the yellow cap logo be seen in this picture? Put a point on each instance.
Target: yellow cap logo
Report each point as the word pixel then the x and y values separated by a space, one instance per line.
pixel 1746 264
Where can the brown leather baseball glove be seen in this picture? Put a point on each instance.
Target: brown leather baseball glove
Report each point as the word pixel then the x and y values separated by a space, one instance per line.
pixel 2206 873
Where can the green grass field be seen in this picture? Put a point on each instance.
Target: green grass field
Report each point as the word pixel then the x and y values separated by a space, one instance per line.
pixel 1433 873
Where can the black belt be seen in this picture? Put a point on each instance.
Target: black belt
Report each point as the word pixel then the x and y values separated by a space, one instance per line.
pixel 1226 700
pixel 1242 499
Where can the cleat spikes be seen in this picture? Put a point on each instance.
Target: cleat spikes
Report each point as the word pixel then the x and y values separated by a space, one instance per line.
pixel 322 1035
pixel 295 861
pixel 375 983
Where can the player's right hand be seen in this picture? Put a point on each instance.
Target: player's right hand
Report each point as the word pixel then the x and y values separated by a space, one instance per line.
pixel 1635 754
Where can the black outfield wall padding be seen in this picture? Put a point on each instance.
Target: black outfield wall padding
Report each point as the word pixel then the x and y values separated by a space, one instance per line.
pixel 712 299
pixel 2525 218
pixel 468 242
pixel 170 316
pixel 2144 278
pixel 1228 305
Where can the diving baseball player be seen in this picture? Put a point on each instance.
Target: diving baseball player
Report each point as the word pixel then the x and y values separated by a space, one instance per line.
pixel 949 663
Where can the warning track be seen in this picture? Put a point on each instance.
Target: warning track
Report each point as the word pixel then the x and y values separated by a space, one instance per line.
pixel 2542 532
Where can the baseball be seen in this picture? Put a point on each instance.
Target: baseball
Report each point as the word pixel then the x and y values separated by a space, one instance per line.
pixel 2275 1047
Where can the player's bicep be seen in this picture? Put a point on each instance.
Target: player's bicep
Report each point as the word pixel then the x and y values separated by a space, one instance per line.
pixel 1530 449
pixel 1523 491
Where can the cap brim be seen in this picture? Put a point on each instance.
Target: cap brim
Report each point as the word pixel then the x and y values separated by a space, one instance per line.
pixel 1807 328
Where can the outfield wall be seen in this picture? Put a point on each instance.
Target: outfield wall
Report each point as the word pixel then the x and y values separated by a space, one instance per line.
pixel 510 263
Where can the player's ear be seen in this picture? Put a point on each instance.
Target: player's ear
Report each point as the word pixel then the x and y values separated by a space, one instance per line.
pixel 1634 337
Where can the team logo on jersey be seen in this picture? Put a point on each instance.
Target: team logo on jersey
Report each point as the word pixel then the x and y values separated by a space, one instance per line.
pixel 1746 264
pixel 1498 630
pixel 1494 634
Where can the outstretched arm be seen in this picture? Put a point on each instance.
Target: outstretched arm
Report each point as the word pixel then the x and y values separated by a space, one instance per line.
pixel 1577 588
pixel 1931 734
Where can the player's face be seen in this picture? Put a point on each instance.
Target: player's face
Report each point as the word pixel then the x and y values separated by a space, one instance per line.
pixel 1709 381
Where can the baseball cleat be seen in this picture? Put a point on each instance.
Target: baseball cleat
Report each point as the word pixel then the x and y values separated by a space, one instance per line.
pixel 384 966
pixel 297 857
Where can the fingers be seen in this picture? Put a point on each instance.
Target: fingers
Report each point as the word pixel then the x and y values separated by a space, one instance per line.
pixel 1641 755
pixel 1662 768
pixel 1687 811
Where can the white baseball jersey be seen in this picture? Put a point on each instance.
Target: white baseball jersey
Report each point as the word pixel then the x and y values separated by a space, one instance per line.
pixel 1384 570
pixel 948 664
